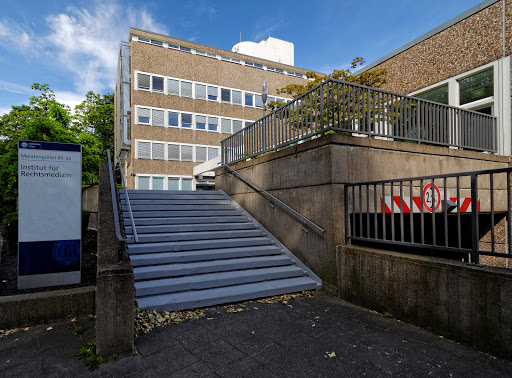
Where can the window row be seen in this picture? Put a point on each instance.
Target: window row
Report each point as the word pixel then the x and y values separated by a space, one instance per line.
pixel 154 182
pixel 200 91
pixel 172 118
pixel 220 57
pixel 154 150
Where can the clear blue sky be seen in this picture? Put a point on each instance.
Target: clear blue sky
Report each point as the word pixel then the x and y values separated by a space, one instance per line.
pixel 72 45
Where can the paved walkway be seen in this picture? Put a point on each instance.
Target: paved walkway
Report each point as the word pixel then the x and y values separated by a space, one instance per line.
pixel 309 337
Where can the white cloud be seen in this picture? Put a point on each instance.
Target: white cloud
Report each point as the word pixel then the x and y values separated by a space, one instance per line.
pixel 4 110
pixel 83 42
pixel 70 99
pixel 7 86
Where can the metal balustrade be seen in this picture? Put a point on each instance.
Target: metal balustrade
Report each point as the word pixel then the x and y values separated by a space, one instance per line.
pixel 463 214
pixel 337 106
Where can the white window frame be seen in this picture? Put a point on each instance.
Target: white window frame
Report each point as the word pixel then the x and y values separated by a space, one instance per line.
pixel 137 176
pixel 158 176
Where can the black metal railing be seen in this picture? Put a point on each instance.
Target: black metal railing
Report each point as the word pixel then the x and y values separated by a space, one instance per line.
pixel 339 106
pixel 127 200
pixel 465 213
pixel 273 199
pixel 121 242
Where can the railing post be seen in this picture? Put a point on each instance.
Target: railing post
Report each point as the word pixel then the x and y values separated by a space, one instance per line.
pixel 474 219
pixel 322 121
pixel 347 217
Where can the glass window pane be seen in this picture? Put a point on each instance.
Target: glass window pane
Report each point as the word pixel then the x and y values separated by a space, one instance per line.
pixel 201 91
pixel 200 122
pixel 158 151
pixel 213 152
pixel 186 184
pixel 237 126
pixel 213 93
pixel 173 183
pixel 186 89
pixel 258 101
pixel 439 94
pixel 225 95
pixel 143 81
pixel 237 97
pixel 212 123
pixel 174 119
pixel 158 43
pixel 143 182
pixel 158 117
pixel 186 120
pixel 173 151
pixel 248 99
pixel 158 84
pixel 477 86
pixel 158 183
pixel 173 87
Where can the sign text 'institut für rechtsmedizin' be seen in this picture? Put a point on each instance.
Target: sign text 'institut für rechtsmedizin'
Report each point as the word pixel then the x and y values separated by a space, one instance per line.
pixel 49 213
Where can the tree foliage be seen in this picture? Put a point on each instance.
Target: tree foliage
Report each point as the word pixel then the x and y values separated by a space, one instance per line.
pixel 45 119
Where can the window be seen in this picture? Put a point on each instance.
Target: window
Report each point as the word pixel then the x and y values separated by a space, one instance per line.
pixel 270 99
pixel 186 49
pixel 213 152
pixel 173 87
pixel 477 86
pixel 237 126
pixel 258 101
pixel 213 123
pixel 200 52
pixel 201 153
pixel 279 70
pixel 211 55
pixel 225 126
pixel 158 84
pixel 158 151
pixel 174 119
pixel 186 120
pixel 158 183
pixel 173 183
pixel 173 151
pixel 141 39
pixel 237 97
pixel 213 93
pixel 171 46
pixel 158 43
pixel 249 99
pixel 258 65
pixel 271 69
pixel 439 94
pixel 186 184
pixel 186 89
pixel 187 153
pixel 200 122
pixel 143 115
pixel 143 150
pixel 249 64
pixel 143 182
pixel 158 118
pixel 143 81
pixel 247 123
pixel 225 95
pixel 201 91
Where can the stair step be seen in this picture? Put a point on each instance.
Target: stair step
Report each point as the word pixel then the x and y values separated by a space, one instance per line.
pixel 182 207
pixel 177 213
pixel 211 280
pixel 199 201
pixel 190 228
pixel 196 245
pixel 183 269
pixel 189 236
pixel 235 218
pixel 210 297
pixel 202 255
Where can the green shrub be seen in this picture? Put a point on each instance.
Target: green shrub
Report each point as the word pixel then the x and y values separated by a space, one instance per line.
pixel 10 229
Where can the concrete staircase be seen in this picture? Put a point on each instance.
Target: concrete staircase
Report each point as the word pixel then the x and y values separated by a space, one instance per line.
pixel 201 248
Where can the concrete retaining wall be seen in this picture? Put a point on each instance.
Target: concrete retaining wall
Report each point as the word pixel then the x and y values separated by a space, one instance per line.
pixel 310 176
pixel 467 303
pixel 46 307
pixel 90 203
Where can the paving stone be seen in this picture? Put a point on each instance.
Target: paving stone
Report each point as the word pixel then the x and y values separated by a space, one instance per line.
pixel 169 361
pixel 217 354
pixel 124 367
pixel 198 369
pixel 157 339
pixel 25 369
pixel 246 367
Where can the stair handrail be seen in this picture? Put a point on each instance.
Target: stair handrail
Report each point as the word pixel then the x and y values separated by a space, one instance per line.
pixel 121 242
pixel 243 178
pixel 127 200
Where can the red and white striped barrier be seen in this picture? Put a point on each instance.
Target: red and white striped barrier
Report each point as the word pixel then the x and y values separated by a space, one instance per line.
pixel 404 205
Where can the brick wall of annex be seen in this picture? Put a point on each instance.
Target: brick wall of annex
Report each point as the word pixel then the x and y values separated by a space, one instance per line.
pixel 471 43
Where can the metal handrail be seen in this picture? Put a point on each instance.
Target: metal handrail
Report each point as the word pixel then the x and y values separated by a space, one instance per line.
pixel 121 242
pixel 128 200
pixel 273 197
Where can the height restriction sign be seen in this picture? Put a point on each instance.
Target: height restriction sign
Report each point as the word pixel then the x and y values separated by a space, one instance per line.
pixel 431 198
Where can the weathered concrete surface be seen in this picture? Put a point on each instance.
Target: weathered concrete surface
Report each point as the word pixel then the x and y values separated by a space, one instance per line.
pixel 90 203
pixel 467 303
pixel 46 307
pixel 115 291
pixel 310 176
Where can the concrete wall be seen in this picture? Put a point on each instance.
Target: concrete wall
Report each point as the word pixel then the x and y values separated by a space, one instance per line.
pixel 90 203
pixel 467 303
pixel 309 177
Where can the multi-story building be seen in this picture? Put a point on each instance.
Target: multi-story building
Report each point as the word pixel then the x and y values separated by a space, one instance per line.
pixel 464 62
pixel 176 100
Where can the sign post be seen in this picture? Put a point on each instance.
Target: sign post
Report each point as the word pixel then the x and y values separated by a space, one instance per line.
pixel 49 214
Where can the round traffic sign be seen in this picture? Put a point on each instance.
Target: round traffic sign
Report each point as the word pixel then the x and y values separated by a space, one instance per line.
pixel 431 199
